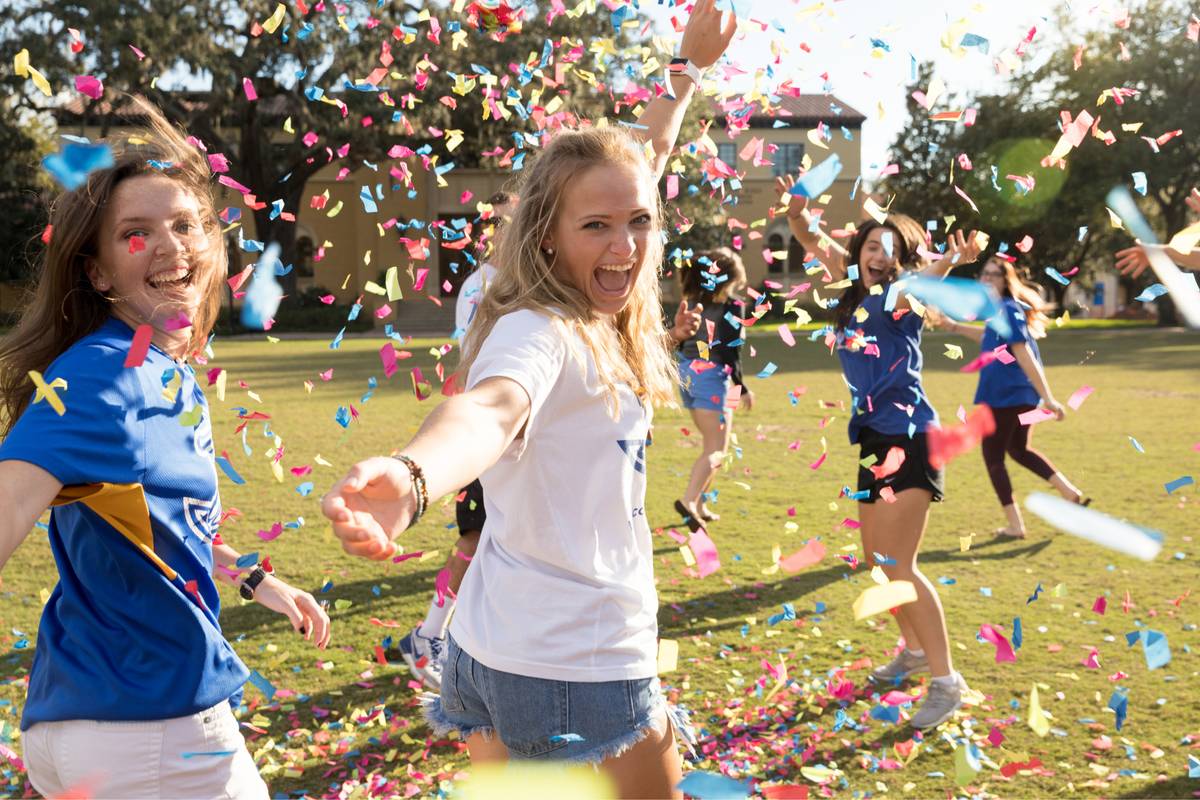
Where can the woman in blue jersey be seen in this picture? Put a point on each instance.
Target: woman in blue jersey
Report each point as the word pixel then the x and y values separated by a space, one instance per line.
pixel 709 363
pixel 877 336
pixel 132 682
pixel 1012 386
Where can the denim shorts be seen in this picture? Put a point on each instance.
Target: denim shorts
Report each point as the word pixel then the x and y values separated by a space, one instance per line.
pixel 581 722
pixel 704 389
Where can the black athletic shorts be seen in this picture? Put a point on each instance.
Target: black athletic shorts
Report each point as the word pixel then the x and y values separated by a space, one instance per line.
pixel 469 511
pixel 915 473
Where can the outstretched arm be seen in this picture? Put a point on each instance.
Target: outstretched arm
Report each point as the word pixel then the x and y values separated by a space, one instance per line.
pixel 809 235
pixel 458 441
pixel 1037 376
pixel 704 40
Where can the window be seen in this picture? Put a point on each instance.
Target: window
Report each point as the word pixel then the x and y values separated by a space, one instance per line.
pixel 727 152
pixel 786 159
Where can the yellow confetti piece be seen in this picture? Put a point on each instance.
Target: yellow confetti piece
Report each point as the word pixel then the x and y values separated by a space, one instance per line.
pixel 688 558
pixel 392 284
pixel 46 391
pixel 273 21
pixel 668 655
pixel 878 599
pixel 429 555
pixel 39 80
pixel 873 209
pixel 953 351
pixel 964 542
pixel 1037 717
pixel 374 288
pixel 190 419
pixel 222 379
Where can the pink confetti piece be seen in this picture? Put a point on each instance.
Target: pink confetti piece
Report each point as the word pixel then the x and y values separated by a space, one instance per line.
pixel 1077 398
pixel 139 347
pixel 705 551
pixel 1035 416
pixel 812 553
pixel 387 354
pixel 442 588
pixel 274 533
pixel 419 283
pixel 785 333
pixel 90 86
pixel 136 244
pixel 217 162
pixel 140 55
pixel 248 88
pixel 1004 651
pixel 177 322
pixel 1101 605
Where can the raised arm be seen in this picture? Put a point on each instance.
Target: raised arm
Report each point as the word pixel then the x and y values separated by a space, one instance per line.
pixel 808 234
pixel 704 40
pixel 26 492
pixel 458 441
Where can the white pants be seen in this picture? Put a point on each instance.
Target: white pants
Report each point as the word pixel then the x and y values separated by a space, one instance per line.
pixel 201 756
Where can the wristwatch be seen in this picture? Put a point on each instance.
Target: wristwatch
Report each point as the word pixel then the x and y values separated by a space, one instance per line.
pixel 686 67
pixel 247 587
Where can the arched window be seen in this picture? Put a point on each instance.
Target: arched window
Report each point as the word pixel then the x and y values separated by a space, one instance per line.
pixel 775 245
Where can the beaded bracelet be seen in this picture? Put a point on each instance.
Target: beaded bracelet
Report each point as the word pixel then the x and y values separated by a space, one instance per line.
pixel 418 479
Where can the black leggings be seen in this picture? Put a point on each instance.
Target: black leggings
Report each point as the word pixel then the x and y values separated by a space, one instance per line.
pixel 1013 438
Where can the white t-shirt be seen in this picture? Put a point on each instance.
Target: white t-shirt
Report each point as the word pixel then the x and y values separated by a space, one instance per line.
pixel 562 585
pixel 469 295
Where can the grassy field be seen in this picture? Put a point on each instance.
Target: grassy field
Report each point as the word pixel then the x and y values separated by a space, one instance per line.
pixel 343 716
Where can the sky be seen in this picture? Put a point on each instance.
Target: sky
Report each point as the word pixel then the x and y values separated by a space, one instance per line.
pixel 873 79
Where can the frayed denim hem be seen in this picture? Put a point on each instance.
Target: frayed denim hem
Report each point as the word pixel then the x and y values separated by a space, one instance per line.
pixel 441 724
pixel 678 718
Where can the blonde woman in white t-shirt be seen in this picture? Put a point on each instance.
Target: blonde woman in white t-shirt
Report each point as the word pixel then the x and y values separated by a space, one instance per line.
pixel 552 649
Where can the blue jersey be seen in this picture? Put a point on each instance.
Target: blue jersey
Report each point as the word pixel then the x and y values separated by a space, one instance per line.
pixel 1005 385
pixel 881 361
pixel 130 631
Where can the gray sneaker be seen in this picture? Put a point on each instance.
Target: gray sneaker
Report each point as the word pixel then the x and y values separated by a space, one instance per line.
pixel 899 668
pixel 940 703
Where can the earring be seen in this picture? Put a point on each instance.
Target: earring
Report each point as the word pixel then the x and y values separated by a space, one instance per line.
pixel 549 251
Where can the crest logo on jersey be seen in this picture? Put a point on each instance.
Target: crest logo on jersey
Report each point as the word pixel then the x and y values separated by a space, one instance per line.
pixel 636 450
pixel 199 517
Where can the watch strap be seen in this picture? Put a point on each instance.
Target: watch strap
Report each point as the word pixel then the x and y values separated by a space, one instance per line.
pixel 684 66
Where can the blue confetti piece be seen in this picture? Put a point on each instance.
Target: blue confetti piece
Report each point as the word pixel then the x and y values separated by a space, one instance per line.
pixel 229 471
pixel 72 166
pixel 1137 445
pixel 1179 483
pixel 886 713
pixel 768 370
pixel 884 561
pixel 567 737
pixel 305 489
pixel 1119 703
pixel 210 753
pixel 1193 767
pixel 1154 647
pixel 368 201
pixel 976 41
pixel 1035 594
pixel 1139 183
pixel 342 417
pixel 712 786
pixel 262 299
pixel 817 180
pixel 959 298
pixel 1151 292
pixel 1058 276
pixel 789 613
pixel 262 684
pixel 248 560
pixel 1018 635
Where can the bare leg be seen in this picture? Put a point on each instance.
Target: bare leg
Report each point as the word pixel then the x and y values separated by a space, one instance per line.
pixel 872 539
pixel 1016 525
pixel 468 543
pixel 711 455
pixel 905 522
pixel 726 435
pixel 483 751
pixel 1065 487
pixel 651 768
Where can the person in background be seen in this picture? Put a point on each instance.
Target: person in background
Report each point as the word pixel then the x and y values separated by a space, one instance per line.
pixel 710 362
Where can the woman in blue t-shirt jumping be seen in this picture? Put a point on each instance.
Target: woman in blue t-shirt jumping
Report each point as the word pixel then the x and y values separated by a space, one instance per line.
pixel 103 420
pixel 1012 382
pixel 877 336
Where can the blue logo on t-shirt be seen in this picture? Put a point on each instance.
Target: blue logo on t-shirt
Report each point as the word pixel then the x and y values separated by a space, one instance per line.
pixel 636 450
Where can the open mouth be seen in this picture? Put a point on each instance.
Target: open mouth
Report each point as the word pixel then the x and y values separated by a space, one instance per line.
pixel 877 273
pixel 176 277
pixel 613 280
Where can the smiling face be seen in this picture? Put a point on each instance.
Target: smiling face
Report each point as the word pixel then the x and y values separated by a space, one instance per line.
pixel 602 232
pixel 878 256
pixel 151 255
pixel 992 275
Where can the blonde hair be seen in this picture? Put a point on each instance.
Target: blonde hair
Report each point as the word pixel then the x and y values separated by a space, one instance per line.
pixel 526 279
pixel 63 305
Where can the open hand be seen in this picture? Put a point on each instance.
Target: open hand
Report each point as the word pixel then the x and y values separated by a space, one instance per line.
pixel 797 206
pixel 705 37
pixel 301 609
pixel 1132 261
pixel 962 248
pixel 370 507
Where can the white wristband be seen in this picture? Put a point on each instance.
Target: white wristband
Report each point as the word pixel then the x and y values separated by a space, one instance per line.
pixel 682 66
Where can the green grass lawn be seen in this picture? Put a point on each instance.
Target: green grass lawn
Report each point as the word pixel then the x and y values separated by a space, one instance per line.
pixel 340 715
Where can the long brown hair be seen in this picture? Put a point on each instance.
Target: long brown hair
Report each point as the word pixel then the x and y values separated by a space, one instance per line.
pixel 62 306
pixel 1024 291
pixel 526 279
pixel 727 263
pixel 909 236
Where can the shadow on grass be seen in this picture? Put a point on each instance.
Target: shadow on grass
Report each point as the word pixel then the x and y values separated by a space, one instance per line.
pixel 734 603
pixel 1181 786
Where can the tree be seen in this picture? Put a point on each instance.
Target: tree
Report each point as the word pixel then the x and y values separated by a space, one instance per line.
pixel 22 189
pixel 352 82
pixel 1139 71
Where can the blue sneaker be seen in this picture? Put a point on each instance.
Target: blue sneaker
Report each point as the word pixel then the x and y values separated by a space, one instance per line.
pixel 424 656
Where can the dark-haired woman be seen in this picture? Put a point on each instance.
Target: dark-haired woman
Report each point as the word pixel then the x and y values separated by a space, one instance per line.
pixel 1014 386
pixel 132 684
pixel 709 363
pixel 878 339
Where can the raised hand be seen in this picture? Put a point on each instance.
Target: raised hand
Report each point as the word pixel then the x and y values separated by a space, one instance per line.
pixel 370 507
pixel 962 248
pixel 705 37
pixel 797 207
pixel 1132 261
pixel 687 321
pixel 301 609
